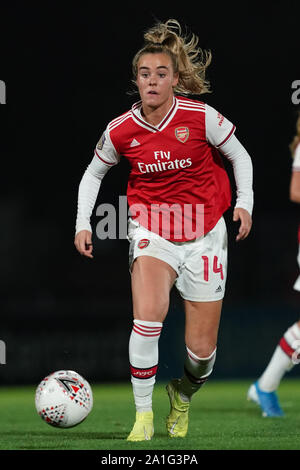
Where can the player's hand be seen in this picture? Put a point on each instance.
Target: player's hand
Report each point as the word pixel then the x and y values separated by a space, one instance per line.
pixel 83 243
pixel 246 222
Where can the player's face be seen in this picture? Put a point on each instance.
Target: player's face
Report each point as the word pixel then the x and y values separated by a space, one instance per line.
pixel 156 79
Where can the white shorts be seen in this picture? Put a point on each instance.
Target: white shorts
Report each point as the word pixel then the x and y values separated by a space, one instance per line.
pixel 200 264
pixel 297 283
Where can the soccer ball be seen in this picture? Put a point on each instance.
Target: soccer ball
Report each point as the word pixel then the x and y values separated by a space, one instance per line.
pixel 63 399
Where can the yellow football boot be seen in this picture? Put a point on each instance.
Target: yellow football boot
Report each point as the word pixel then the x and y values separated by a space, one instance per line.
pixel 143 429
pixel 178 419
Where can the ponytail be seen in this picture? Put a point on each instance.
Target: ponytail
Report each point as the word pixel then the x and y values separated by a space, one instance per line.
pixel 188 60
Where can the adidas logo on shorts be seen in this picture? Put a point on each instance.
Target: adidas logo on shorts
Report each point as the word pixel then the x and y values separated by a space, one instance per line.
pixel 219 289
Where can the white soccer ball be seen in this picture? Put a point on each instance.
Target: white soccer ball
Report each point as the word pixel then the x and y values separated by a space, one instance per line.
pixel 64 399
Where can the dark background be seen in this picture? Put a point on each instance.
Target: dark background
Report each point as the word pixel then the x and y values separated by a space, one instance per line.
pixel 67 69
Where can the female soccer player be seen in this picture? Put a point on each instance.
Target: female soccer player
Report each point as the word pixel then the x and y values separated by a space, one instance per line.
pixel 287 352
pixel 177 192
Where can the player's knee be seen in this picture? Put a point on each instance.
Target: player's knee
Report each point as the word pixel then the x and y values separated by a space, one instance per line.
pixel 203 349
pixel 152 311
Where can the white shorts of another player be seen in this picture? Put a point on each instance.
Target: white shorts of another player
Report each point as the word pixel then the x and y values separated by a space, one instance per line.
pixel 200 264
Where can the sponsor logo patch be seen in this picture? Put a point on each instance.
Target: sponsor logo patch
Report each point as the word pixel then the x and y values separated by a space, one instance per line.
pixel 143 243
pixel 182 134
pixel 143 373
pixel 101 142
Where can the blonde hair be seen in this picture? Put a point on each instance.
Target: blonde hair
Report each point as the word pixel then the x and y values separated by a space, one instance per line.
pixel 296 139
pixel 189 61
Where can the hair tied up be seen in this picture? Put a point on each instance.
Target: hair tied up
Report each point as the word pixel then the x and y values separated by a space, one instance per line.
pixel 188 60
pixel 154 43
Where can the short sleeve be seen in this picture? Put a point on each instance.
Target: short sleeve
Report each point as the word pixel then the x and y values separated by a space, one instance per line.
pixel 218 128
pixel 106 151
pixel 296 161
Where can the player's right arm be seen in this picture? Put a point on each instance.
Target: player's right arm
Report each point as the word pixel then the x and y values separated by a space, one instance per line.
pixel 104 158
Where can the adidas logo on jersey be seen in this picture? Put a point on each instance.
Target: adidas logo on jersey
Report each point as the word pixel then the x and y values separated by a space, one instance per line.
pixel 134 143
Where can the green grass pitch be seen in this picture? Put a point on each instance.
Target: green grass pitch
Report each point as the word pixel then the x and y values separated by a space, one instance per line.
pixel 220 419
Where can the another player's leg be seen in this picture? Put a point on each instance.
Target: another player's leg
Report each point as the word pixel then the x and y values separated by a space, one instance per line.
pixel 263 391
pixel 202 323
pixel 152 280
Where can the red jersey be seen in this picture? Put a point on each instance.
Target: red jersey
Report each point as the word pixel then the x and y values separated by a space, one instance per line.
pixel 177 174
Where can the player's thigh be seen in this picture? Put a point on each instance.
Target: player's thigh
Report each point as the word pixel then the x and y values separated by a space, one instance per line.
pixel 151 282
pixel 202 320
pixel 203 277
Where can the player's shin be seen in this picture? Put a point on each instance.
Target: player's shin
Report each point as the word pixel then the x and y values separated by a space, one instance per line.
pixel 196 372
pixel 143 356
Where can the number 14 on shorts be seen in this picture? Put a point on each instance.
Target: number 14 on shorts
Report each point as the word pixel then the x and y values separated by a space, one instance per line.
pixel 216 268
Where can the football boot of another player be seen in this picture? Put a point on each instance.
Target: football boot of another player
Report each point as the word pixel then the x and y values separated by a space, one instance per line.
pixel 143 429
pixel 268 401
pixel 178 419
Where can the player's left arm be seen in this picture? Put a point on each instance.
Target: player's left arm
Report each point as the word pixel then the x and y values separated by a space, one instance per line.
pixel 220 133
pixel 246 222
pixel 234 151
